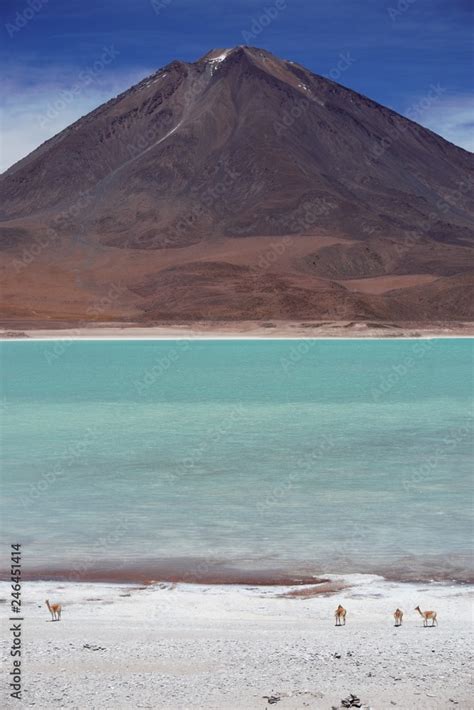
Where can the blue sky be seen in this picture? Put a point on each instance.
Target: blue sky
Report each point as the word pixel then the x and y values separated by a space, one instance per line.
pixel 62 58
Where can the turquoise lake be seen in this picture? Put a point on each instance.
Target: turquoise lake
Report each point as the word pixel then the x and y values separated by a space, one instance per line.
pixel 303 456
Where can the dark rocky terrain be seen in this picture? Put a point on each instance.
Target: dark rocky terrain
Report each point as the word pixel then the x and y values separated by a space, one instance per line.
pixel 237 187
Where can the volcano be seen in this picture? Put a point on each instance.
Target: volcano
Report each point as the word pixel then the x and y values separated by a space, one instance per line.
pixel 239 187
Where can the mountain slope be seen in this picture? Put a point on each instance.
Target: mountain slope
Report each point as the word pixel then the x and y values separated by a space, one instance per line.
pixel 156 186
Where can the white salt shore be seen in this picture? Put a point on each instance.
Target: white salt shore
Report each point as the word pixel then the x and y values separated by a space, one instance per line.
pixel 196 646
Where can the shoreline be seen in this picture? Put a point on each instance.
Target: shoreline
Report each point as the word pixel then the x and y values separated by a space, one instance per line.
pixel 149 578
pixel 233 647
pixel 288 330
pixel 361 584
pixel 200 572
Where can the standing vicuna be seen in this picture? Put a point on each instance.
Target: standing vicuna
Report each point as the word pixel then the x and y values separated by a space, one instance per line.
pixel 398 616
pixel 340 615
pixel 428 615
pixel 55 610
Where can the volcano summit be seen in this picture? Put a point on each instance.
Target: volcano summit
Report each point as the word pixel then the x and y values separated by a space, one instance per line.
pixel 239 187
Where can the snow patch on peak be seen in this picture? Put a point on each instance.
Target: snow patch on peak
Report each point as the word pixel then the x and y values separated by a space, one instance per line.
pixel 216 61
pixel 220 57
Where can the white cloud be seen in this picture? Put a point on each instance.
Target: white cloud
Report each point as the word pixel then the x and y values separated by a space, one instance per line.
pixel 22 131
pixel 35 108
pixel 452 117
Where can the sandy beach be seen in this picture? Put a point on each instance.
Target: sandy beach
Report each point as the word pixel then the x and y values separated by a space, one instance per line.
pixel 236 329
pixel 196 646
